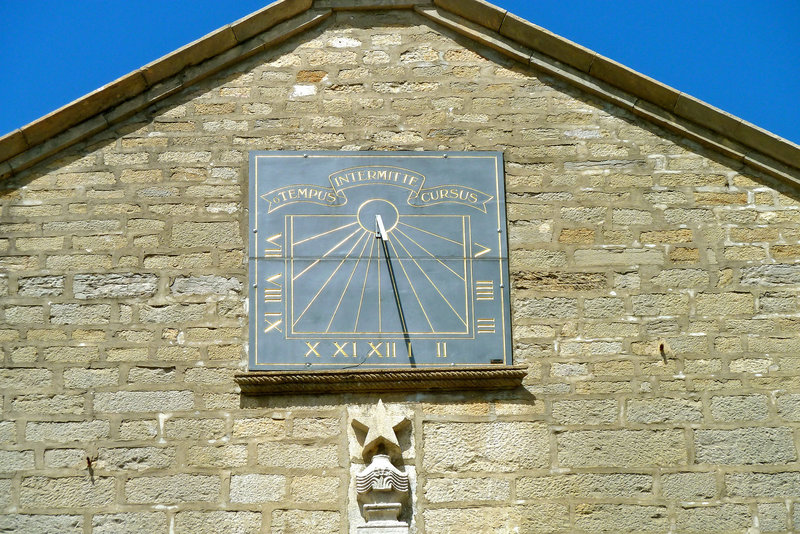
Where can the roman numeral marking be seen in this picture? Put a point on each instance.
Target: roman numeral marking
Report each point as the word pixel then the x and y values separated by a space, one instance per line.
pixel 484 290
pixel 273 294
pixel 273 321
pixel 390 350
pixel 275 248
pixel 486 326
pixel 312 349
pixel 441 350
pixel 485 250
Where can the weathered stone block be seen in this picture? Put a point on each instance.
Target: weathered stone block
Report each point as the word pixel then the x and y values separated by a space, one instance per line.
pixel 171 489
pixel 258 427
pixel 621 518
pixel 585 412
pixel 664 410
pixel 48 404
pixel 11 461
pixel 497 447
pixel 703 519
pixel 80 313
pixel 42 524
pixel 439 490
pixel 739 407
pixel 786 484
pixel 255 488
pixel 66 492
pixel 180 428
pixel 67 431
pixel 80 378
pixel 205 285
pixel 745 446
pixel 114 285
pixel 225 456
pixel 689 486
pixel 41 286
pixel 25 379
pixel 130 523
pixel 206 234
pixel 143 401
pixel 621 448
pixel 585 485
pixel 297 456
pixel 135 458
pixel 296 521
pixel 172 313
pixel 218 521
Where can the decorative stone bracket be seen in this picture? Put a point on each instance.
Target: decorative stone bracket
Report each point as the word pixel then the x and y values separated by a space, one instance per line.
pixel 383 489
pixel 490 377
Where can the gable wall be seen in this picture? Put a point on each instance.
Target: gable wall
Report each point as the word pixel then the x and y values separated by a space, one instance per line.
pixel 654 299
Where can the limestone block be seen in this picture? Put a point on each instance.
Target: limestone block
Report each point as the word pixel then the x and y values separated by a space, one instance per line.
pixel 621 518
pixel 172 313
pixel 11 461
pixel 69 458
pixel 585 412
pixel 585 485
pixel 789 406
pixel 198 522
pixel 48 404
pixel 739 407
pixel 205 285
pixel 206 234
pixel 702 519
pixel 66 492
pixel 745 446
pixel 438 490
pixel 212 456
pixel 180 428
pixel 297 456
pixel 41 286
pixel 689 486
pixel 80 313
pixel 763 484
pixel 130 523
pixel 621 448
pixel 316 489
pixel 771 275
pixel 25 379
pixel 497 447
pixel 81 378
pixel 300 521
pixel 172 489
pixel 136 458
pixel 258 428
pixel 257 488
pixel 24 314
pixel 81 354
pixel 42 524
pixel 772 517
pixel 114 285
pixel 67 431
pixel 143 401
pixel 5 495
pixel 663 410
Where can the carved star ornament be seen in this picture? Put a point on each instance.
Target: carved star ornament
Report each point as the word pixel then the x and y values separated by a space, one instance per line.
pixel 381 436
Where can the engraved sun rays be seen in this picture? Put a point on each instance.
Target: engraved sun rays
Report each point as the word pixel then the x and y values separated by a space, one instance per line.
pixel 340 281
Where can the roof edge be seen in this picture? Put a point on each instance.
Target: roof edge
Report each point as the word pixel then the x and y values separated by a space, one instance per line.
pixel 513 36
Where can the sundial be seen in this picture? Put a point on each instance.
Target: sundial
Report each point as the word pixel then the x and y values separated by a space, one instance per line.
pixel 377 259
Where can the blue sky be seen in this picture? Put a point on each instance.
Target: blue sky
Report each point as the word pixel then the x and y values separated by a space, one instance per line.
pixel 739 55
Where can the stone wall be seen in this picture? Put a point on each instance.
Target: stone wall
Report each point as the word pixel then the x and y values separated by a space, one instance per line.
pixel 654 301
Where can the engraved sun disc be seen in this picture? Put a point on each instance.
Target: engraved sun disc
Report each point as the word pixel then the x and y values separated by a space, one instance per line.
pixel 377 206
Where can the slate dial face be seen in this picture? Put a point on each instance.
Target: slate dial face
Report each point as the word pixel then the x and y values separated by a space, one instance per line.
pixel 377 259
